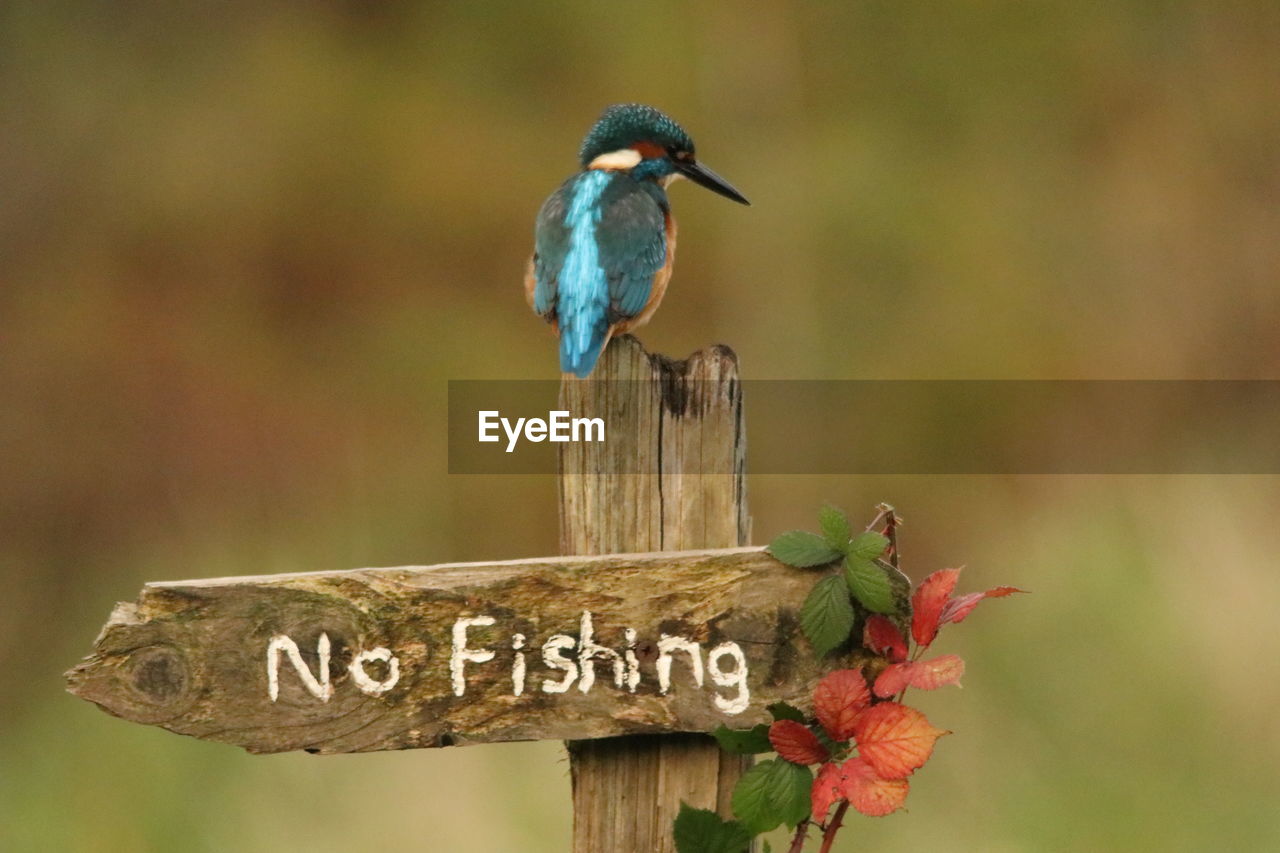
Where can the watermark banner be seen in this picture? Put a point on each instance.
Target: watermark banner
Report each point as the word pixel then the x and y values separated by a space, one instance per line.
pixel 914 427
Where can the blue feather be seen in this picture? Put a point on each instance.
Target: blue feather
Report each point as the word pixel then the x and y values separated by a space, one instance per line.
pixel 599 241
pixel 583 298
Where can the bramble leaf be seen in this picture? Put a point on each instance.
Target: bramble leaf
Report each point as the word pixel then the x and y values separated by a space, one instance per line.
pixel 750 801
pixel 962 605
pixel 835 528
pixel 703 831
pixel 857 782
pixel 894 739
pixel 827 616
pixel 869 584
pixel 869 545
pixel 743 741
pixel 794 742
pixel 793 784
pixel 925 675
pixel 828 789
pixel 837 701
pixel 783 711
pixel 770 793
pixel 927 604
pixel 869 793
pixel 802 549
pixel 895 678
pixel 882 637
pixel 937 672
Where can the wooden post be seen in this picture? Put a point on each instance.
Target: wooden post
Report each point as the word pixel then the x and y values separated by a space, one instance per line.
pixel 643 490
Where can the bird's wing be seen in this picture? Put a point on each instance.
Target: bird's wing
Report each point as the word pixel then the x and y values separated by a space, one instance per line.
pixel 627 219
pixel 632 242
pixel 551 243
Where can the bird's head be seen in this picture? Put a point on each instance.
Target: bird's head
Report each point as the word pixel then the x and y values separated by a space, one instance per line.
pixel 649 144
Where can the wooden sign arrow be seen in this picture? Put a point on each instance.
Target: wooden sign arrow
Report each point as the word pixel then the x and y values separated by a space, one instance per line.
pixel 372 659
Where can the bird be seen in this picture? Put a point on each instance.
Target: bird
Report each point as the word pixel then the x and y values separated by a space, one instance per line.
pixel 605 241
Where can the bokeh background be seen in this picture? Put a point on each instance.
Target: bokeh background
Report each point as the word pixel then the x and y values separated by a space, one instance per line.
pixel 244 245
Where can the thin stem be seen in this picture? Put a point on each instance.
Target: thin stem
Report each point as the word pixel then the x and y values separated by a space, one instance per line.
pixel 891 533
pixel 829 836
pixel 882 510
pixel 797 843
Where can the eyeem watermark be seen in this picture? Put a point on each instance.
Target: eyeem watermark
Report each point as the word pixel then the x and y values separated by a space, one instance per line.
pixel 559 426
pixel 927 427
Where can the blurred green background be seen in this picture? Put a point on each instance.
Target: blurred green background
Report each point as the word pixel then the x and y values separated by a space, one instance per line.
pixel 244 245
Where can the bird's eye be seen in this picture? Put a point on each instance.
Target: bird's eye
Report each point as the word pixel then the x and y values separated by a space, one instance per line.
pixel 680 155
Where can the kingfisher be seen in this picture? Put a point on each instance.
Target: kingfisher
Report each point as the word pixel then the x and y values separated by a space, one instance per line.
pixel 605 240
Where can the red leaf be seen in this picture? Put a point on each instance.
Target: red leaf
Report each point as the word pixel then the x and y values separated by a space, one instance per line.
pixel 893 680
pixel 827 790
pixel 837 700
pixel 937 672
pixel 962 605
pixel 882 637
pixel 794 742
pixel 927 604
pixel 926 675
pixel 894 739
pixel 870 794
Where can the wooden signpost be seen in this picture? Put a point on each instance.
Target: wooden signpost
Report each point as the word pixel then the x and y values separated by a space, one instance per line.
pixel 655 629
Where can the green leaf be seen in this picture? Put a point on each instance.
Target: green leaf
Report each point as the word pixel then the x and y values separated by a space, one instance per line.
pixel 783 711
pixel 869 584
pixel 798 786
pixel 750 800
pixel 743 741
pixel 868 546
pixel 802 549
pixel 772 792
pixel 835 528
pixel 827 616
pixel 703 831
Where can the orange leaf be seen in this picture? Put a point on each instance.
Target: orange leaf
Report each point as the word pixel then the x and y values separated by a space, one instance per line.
pixel 894 739
pixel 927 603
pixel 882 637
pixel 962 605
pixel 870 794
pixel 794 742
pixel 828 789
pixel 837 699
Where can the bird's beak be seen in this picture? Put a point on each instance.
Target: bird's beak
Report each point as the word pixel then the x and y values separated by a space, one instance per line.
pixel 700 174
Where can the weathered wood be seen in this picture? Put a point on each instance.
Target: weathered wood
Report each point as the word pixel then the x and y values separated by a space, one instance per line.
pixel 669 420
pixel 192 656
pixel 670 641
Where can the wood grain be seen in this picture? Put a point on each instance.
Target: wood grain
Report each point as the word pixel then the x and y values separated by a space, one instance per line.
pixel 190 655
pixel 670 420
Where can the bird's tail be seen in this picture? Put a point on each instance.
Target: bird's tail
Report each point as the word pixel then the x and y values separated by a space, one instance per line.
pixel 582 339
